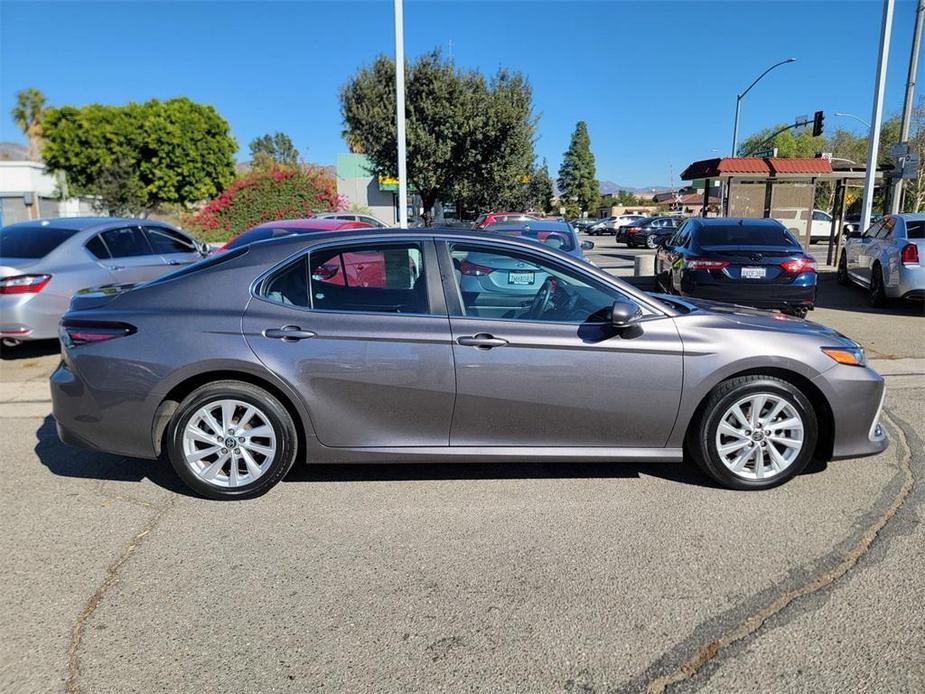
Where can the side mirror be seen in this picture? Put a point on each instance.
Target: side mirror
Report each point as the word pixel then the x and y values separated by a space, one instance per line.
pixel 587 245
pixel 624 313
pixel 852 234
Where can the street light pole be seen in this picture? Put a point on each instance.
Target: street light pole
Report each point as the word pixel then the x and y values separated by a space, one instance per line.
pixel 873 140
pixel 739 97
pixel 400 115
pixel 897 196
pixel 857 118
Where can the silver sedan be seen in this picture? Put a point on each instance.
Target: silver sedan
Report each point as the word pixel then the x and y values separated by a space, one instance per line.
pixel 45 262
pixel 887 259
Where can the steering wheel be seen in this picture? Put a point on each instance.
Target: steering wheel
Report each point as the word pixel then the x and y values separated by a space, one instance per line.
pixel 543 297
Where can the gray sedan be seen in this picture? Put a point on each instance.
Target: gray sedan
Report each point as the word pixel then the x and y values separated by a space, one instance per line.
pixel 43 263
pixel 887 259
pixel 288 357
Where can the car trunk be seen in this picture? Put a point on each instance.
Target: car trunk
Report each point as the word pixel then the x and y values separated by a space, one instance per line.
pixel 754 264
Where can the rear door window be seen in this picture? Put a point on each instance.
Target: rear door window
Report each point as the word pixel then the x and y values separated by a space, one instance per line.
pixel 31 241
pixel 165 240
pixel 127 242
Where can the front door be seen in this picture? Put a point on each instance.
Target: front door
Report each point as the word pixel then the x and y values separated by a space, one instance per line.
pixel 173 247
pixel 133 259
pixel 545 367
pixel 360 331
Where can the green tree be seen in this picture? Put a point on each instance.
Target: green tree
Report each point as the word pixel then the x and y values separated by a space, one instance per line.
pixel 577 176
pixel 467 138
pixel 28 115
pixel 273 150
pixel 182 152
pixel 119 190
pixel 540 190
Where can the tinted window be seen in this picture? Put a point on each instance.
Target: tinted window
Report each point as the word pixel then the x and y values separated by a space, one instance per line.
pixel 97 248
pixel 385 278
pixel 31 241
pixel 126 242
pixel 168 241
pixel 512 285
pixel 886 228
pixel 915 230
pixel 744 235
pixel 261 234
pixel 821 217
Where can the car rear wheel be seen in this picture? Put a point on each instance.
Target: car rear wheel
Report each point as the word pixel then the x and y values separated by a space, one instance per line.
pixel 876 294
pixel 754 432
pixel 231 440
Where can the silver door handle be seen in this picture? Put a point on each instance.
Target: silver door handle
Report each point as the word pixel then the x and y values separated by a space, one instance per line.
pixel 482 341
pixel 288 333
pixel 115 267
pixel 173 262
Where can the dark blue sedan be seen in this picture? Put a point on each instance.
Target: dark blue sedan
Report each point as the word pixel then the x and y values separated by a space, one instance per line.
pixel 755 262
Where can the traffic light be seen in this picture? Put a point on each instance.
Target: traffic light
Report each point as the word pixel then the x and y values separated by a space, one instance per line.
pixel 818 123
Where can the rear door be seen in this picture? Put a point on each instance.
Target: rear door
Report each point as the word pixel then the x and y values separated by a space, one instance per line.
pixel 554 372
pixel 369 353
pixel 132 258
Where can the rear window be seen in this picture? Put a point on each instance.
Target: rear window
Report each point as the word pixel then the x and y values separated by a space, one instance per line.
pixel 915 230
pixel 31 241
pixel 744 235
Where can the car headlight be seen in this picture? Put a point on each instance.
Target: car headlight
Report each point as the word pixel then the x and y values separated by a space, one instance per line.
pixel 852 356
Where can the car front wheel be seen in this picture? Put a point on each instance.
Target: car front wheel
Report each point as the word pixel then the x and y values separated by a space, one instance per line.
pixel 231 440
pixel 754 432
pixel 651 241
pixel 877 293
pixel 842 272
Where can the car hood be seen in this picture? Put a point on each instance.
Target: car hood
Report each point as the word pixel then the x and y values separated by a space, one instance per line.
pixel 754 317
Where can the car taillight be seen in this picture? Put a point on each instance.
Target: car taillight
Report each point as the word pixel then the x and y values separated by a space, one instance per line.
pixel 704 264
pixel 910 254
pixel 23 284
pixel 467 268
pixel 325 272
pixel 798 265
pixel 633 230
pixel 74 333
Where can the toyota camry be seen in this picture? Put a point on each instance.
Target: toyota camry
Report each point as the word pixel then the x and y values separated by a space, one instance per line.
pixel 286 352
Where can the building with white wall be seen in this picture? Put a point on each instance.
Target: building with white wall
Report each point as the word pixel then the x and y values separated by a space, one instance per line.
pixel 28 191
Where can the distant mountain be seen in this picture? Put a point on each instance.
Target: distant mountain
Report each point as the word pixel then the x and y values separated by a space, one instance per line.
pixel 12 151
pixel 611 187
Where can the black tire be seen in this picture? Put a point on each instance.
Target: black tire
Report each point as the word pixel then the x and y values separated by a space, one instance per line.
pixel 703 428
pixel 876 294
pixel 651 241
pixel 842 273
pixel 276 415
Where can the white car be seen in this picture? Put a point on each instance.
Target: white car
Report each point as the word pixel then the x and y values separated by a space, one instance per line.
pixel 612 224
pixel 351 217
pixel 795 221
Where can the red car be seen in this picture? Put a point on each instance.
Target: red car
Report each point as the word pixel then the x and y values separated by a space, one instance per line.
pixel 501 217
pixel 288 227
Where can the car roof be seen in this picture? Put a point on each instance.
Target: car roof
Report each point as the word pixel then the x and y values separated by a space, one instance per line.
pixel 323 224
pixel 80 223
pixel 912 216
pixel 735 221
pixel 537 225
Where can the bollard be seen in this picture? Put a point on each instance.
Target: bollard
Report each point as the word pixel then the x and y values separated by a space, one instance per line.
pixel 645 266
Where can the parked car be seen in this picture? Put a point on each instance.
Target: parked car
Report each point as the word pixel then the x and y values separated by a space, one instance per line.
pixel 611 225
pixel 887 259
pixel 44 262
pixel 502 217
pixel 274 364
pixel 853 222
pixel 582 224
pixel 795 220
pixel 755 262
pixel 559 235
pixel 367 219
pixel 650 232
pixel 287 227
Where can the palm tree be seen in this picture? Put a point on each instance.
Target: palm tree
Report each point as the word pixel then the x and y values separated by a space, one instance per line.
pixel 27 113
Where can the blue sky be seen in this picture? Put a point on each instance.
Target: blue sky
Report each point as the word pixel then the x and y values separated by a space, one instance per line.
pixel 656 81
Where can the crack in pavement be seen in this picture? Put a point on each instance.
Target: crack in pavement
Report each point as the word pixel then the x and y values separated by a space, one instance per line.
pixel 748 626
pixel 72 685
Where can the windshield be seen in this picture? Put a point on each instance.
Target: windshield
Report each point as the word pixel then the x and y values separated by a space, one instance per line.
pixel 31 241
pixel 744 235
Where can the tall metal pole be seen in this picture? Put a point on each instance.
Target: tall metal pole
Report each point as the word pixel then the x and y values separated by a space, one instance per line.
pixel 400 115
pixel 873 144
pixel 739 97
pixel 896 198
pixel 735 127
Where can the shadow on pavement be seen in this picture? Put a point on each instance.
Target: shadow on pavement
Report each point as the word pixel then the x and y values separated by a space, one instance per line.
pixel 30 350
pixel 834 296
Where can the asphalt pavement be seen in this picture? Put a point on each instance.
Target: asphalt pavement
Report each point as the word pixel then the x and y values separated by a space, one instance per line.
pixel 515 578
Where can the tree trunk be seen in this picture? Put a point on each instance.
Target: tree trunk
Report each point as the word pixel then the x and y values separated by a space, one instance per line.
pixel 427 202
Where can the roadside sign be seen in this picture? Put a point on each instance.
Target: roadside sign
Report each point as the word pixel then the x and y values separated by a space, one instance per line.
pixel 899 149
pixel 388 183
pixel 766 152
pixel 910 166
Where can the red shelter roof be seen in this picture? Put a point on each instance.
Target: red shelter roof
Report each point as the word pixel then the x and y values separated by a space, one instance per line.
pixel 758 166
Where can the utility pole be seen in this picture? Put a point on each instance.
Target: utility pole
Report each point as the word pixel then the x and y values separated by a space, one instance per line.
pixel 873 144
pixel 897 196
pixel 400 115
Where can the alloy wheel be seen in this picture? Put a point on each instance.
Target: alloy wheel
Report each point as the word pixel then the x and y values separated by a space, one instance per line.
pixel 650 241
pixel 760 436
pixel 229 443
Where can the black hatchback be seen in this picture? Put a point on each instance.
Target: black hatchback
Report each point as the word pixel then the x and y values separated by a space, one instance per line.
pixel 755 262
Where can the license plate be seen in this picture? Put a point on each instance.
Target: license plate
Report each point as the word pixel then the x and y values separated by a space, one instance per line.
pixel 754 273
pixel 520 278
